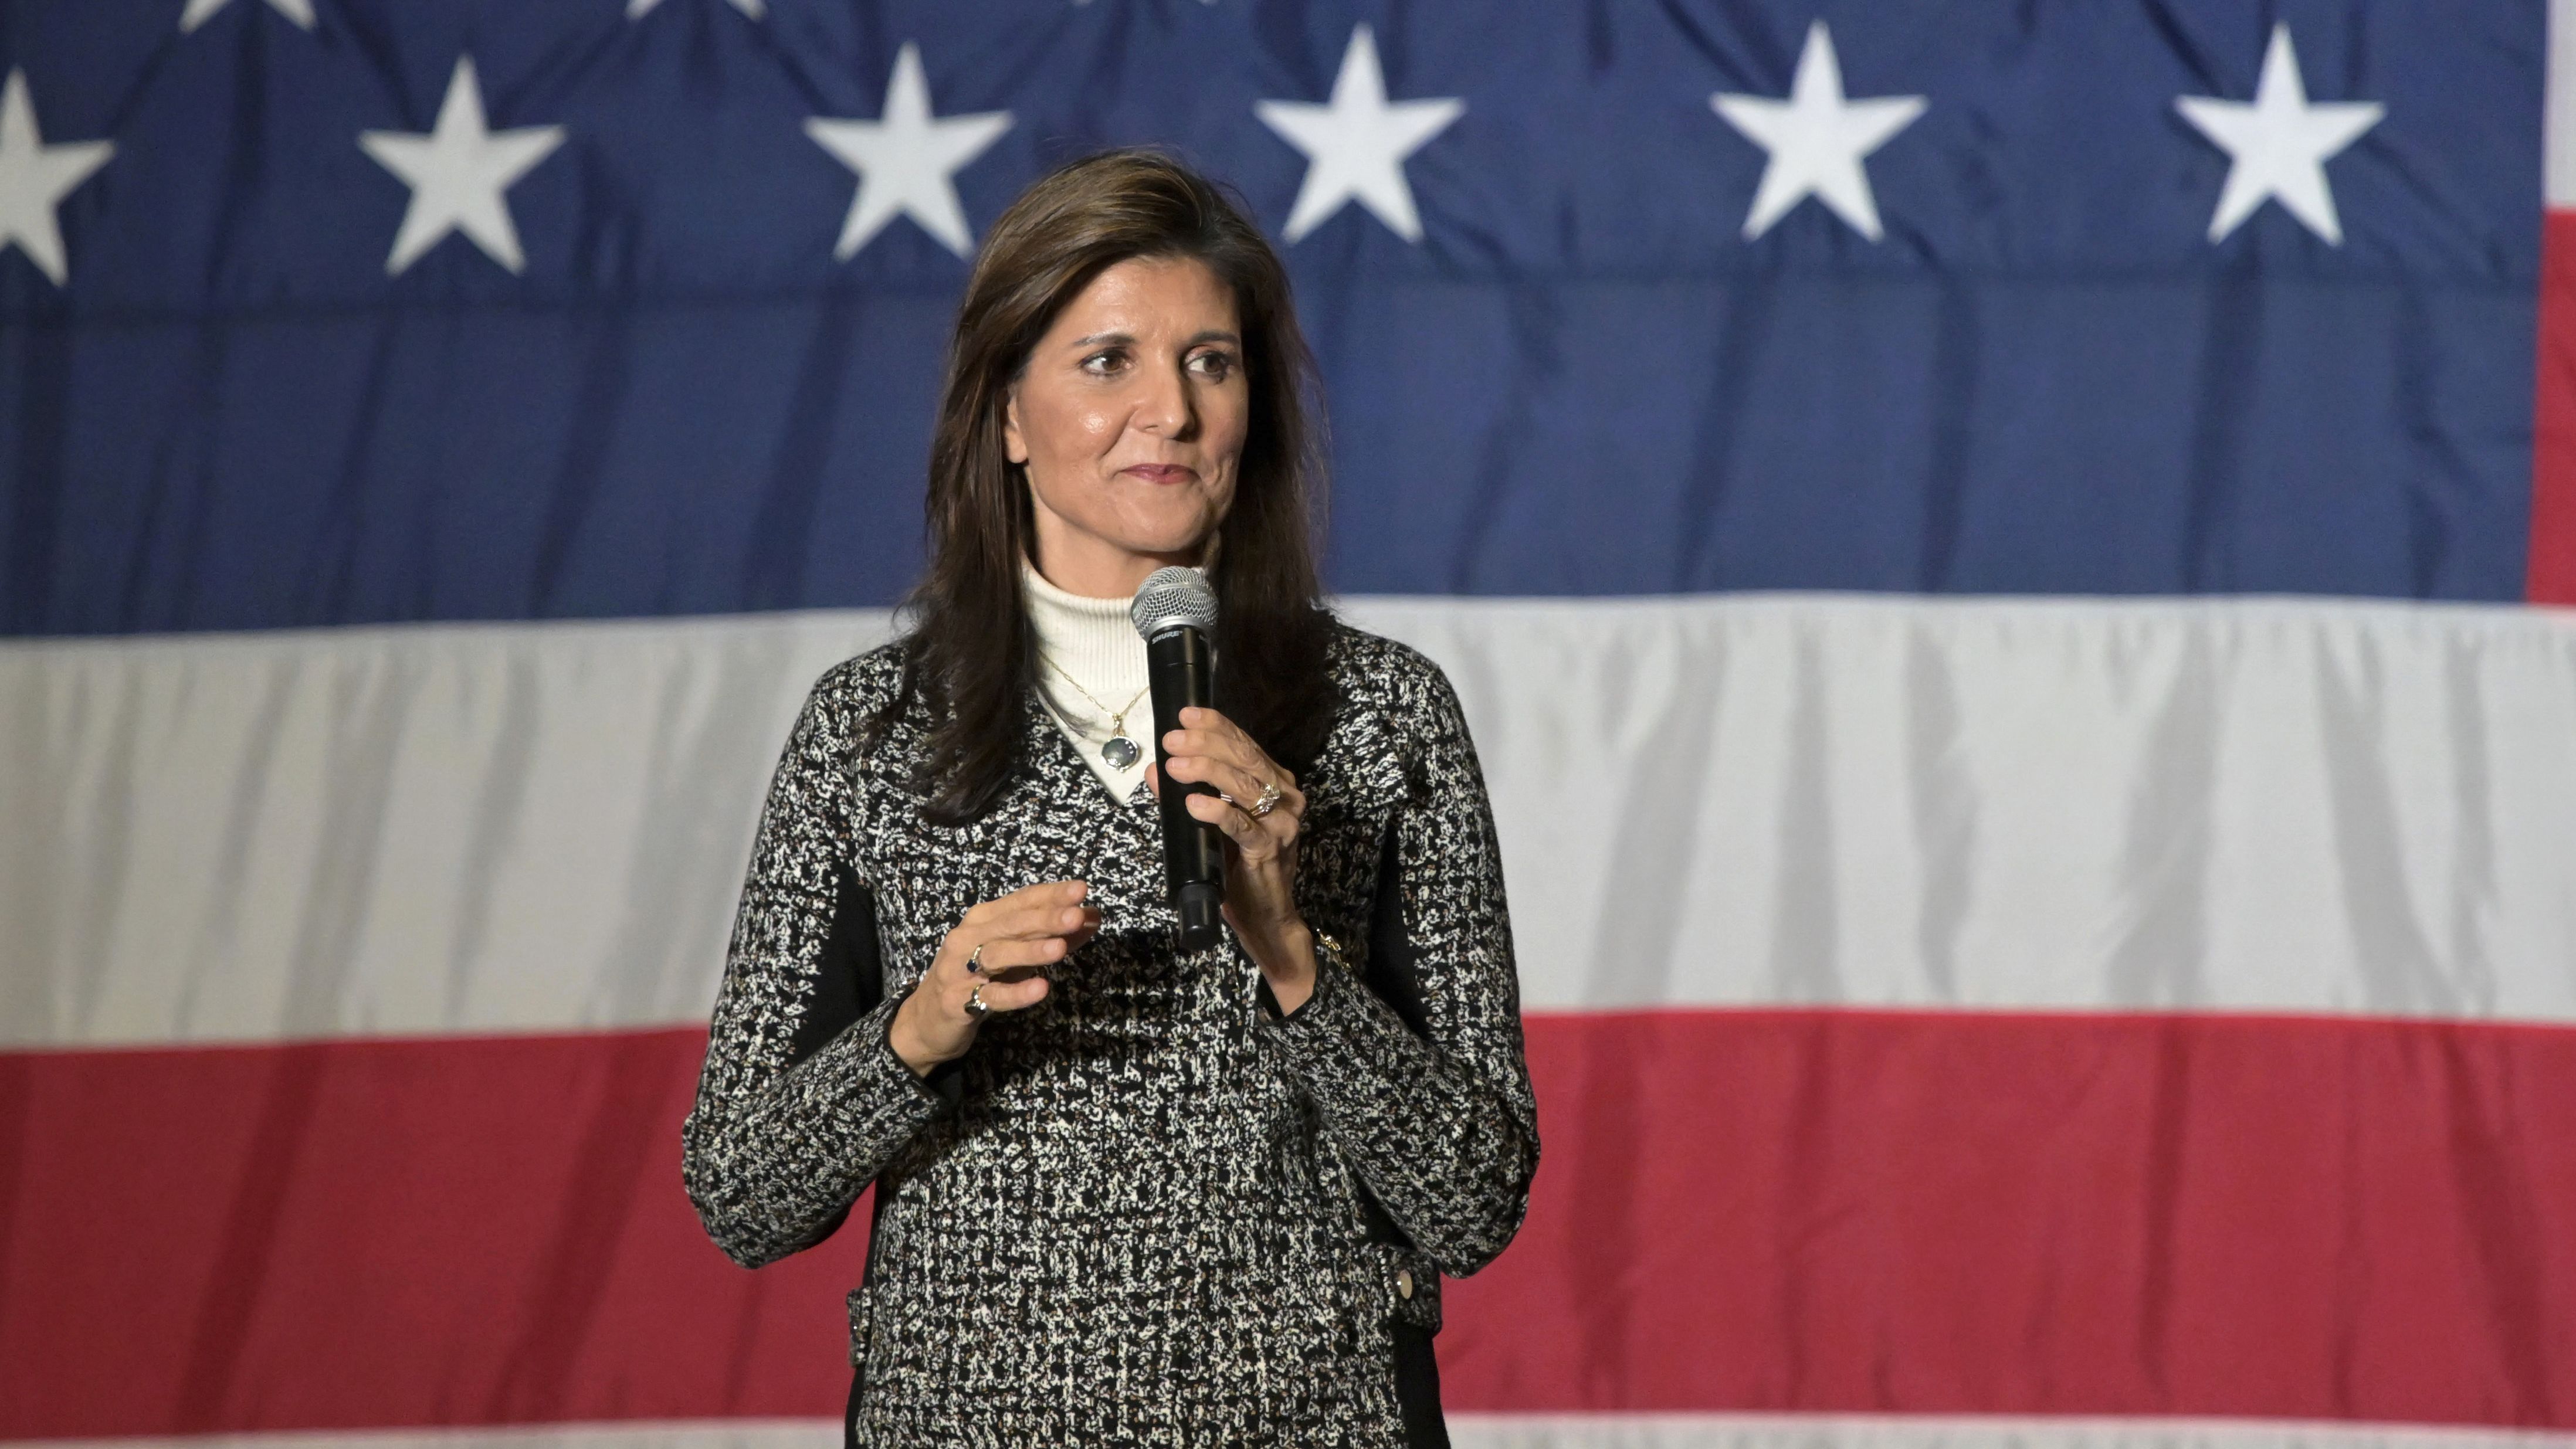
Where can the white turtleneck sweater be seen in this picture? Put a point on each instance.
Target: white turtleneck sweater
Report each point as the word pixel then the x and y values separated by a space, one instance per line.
pixel 1094 642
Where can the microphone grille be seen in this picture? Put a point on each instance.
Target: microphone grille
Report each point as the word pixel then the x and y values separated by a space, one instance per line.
pixel 1173 598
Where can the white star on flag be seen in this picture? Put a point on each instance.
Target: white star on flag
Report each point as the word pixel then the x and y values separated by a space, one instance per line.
pixel 637 9
pixel 905 160
pixel 457 174
pixel 1355 144
pixel 201 11
pixel 34 177
pixel 2278 146
pixel 1816 139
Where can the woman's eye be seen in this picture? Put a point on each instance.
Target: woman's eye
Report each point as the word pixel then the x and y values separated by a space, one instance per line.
pixel 1215 365
pixel 1103 363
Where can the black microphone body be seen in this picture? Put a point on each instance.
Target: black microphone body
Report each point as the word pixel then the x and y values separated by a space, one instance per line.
pixel 1175 611
pixel 1178 666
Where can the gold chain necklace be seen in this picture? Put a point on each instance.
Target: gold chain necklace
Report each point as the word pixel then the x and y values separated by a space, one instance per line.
pixel 1118 750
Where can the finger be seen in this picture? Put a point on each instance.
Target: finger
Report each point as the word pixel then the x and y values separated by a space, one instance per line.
pixel 1007 996
pixel 1011 958
pixel 1043 914
pixel 1044 954
pixel 1233 746
pixel 1238 825
pixel 1082 934
pixel 1244 785
pixel 984 913
pixel 1199 717
pixel 1022 954
pixel 1230 740
pixel 1285 812
pixel 1043 892
pixel 1021 915
pixel 1037 926
pixel 1236 751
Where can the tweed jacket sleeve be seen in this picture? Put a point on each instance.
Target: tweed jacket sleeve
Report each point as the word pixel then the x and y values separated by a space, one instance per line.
pixel 1415 1060
pixel 786 1132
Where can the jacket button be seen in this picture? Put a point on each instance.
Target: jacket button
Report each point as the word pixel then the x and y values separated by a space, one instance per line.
pixel 1404 1283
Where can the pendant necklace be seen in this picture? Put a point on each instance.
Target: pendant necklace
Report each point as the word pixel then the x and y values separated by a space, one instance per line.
pixel 1118 750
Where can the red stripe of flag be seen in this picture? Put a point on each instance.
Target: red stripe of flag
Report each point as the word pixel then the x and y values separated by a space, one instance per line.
pixel 1795 1210
pixel 2553 440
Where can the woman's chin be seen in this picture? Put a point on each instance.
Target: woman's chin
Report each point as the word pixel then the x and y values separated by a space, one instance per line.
pixel 1177 543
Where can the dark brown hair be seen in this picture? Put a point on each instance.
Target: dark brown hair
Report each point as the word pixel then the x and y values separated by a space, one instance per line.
pixel 970 655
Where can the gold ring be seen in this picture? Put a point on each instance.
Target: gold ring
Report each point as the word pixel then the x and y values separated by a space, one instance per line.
pixel 975 960
pixel 1268 802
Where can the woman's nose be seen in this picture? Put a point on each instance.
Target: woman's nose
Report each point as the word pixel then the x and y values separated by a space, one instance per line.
pixel 1166 406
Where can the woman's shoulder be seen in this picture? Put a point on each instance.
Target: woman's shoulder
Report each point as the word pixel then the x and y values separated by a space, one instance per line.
pixel 1387 676
pixel 869 678
pixel 856 691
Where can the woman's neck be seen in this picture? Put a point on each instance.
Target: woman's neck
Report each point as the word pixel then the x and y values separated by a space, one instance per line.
pixel 1118 580
pixel 1094 568
pixel 1061 615
pixel 1091 673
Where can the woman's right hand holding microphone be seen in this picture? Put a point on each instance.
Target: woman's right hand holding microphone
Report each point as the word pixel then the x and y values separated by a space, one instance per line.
pixel 996 959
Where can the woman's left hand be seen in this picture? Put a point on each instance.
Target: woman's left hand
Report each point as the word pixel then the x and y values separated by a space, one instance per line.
pixel 1261 850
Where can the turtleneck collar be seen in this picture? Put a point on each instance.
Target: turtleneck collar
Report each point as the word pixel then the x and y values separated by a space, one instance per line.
pixel 1091 672
pixel 1044 595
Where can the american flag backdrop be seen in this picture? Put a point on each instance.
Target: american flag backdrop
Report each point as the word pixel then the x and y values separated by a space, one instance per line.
pixel 2000 557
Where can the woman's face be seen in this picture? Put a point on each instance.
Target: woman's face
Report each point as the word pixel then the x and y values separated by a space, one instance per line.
pixel 1130 418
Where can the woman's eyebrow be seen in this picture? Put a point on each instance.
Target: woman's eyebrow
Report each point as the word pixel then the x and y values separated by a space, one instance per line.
pixel 1124 339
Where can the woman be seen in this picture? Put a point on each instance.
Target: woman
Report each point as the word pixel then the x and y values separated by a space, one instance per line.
pixel 1125 1194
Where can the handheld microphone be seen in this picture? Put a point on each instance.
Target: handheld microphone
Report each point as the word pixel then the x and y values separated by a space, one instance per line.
pixel 1176 612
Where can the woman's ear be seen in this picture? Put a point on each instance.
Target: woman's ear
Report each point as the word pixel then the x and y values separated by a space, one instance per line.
pixel 1014 447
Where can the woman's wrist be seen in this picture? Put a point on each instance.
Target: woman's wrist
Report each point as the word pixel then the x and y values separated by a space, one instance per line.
pixel 904 1038
pixel 1286 956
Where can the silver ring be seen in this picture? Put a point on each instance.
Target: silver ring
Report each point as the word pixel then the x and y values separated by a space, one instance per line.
pixel 975 1006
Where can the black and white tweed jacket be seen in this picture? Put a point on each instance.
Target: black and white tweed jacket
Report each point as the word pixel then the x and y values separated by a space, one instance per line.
pixel 1147 1211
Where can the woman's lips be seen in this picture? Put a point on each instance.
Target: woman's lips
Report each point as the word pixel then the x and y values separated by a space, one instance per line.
pixel 1162 472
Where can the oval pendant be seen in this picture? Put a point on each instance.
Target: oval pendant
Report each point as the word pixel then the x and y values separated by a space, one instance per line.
pixel 1120 752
